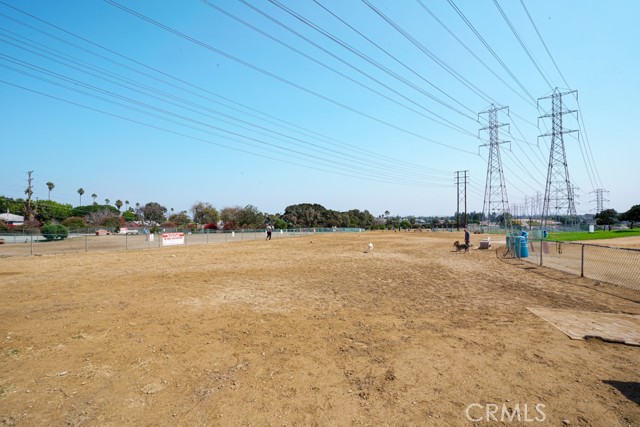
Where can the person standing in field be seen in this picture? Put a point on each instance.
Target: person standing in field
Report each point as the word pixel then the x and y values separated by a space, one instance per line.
pixel 467 238
pixel 269 229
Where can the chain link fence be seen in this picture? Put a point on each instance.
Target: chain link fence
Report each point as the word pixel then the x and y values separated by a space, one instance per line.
pixel 618 266
pixel 36 244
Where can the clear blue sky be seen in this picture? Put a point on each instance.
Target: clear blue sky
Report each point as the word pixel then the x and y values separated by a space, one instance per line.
pixel 199 106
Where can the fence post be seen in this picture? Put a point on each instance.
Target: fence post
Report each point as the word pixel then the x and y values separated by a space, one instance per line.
pixel 126 241
pixel 582 263
pixel 31 244
pixel 86 245
pixel 541 247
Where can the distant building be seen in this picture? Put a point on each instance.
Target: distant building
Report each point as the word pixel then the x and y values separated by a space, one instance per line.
pixel 11 219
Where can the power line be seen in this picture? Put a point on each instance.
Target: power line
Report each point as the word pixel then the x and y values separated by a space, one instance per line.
pixel 174 117
pixel 279 134
pixel 535 27
pixel 581 120
pixel 495 55
pixel 524 46
pixel 281 79
pixel 173 132
pixel 474 54
pixel 394 57
pixel 430 54
pixel 361 56
pixel 443 121
pixel 199 89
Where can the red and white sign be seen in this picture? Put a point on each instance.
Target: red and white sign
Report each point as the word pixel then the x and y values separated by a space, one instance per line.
pixel 169 239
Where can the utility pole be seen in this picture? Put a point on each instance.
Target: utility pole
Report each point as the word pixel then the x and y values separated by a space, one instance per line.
pixel 495 193
pixel 600 199
pixel 29 192
pixel 558 196
pixel 462 197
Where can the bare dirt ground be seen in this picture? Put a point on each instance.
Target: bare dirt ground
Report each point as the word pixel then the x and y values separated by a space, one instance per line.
pixel 304 331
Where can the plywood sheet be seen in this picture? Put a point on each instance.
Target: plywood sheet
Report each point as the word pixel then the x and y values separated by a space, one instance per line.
pixel 621 328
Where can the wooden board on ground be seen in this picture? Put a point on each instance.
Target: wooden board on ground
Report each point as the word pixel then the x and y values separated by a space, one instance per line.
pixel 611 327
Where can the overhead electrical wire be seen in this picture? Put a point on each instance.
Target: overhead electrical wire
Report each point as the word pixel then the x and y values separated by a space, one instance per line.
pixel 490 49
pixel 234 148
pixel 472 53
pixel 495 74
pixel 580 116
pixel 379 165
pixel 175 118
pixel 356 52
pixel 389 54
pixel 377 170
pixel 198 89
pixel 441 120
pixel 522 44
pixel 428 52
pixel 535 27
pixel 398 28
pixel 282 79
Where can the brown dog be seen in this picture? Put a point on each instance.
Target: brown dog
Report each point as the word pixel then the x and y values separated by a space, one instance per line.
pixel 460 246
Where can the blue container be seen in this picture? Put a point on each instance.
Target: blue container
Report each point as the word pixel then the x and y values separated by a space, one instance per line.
pixel 524 245
pixel 516 245
pixel 544 234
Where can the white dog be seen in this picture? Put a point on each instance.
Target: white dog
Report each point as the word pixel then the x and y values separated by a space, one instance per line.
pixel 370 246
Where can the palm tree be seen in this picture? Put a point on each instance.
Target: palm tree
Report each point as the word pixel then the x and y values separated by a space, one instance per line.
pixel 118 204
pixel 94 196
pixel 50 186
pixel 126 205
pixel 81 192
pixel 107 201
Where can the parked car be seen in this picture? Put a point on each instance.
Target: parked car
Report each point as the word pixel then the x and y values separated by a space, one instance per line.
pixel 125 230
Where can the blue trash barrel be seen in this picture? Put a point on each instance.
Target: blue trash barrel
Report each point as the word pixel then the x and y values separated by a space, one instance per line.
pixel 524 245
pixel 517 245
pixel 544 234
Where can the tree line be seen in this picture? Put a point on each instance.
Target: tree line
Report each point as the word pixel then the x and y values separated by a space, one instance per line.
pixel 609 217
pixel 201 215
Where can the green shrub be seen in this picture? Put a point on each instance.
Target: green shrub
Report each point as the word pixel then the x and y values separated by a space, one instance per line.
pixel 129 216
pixel 83 211
pixel 54 232
pixel 113 221
pixel 74 222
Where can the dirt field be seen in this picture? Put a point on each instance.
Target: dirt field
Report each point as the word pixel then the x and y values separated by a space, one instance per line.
pixel 304 331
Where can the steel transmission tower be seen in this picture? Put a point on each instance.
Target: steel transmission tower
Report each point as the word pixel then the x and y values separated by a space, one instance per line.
pixel 600 199
pixel 462 197
pixel 559 199
pixel 495 191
